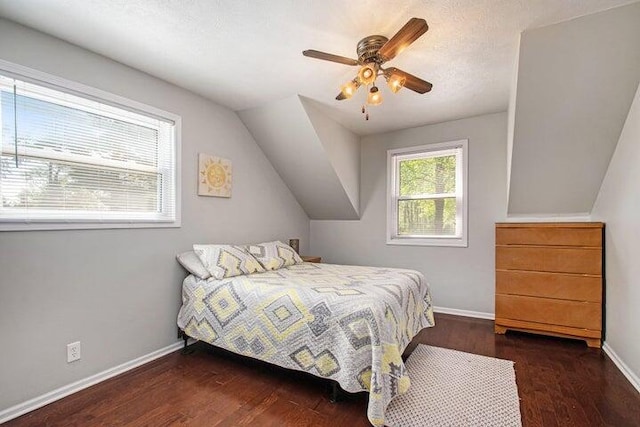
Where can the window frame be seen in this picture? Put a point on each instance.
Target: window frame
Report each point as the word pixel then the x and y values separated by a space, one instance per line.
pixel 50 81
pixel 462 175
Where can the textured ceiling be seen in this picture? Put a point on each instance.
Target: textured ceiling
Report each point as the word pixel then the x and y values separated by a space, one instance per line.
pixel 244 54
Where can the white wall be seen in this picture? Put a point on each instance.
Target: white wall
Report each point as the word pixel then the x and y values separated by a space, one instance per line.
pixel 284 131
pixel 342 147
pixel 575 84
pixel 618 205
pixel 511 113
pixel 461 278
pixel 118 291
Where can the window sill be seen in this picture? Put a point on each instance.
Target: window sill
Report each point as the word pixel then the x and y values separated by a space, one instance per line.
pixel 443 242
pixel 42 226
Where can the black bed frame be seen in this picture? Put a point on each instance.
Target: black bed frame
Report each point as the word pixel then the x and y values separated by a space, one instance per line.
pixel 337 393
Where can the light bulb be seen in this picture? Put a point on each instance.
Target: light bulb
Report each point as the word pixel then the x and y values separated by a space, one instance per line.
pixel 367 74
pixel 396 82
pixel 349 88
pixel 374 97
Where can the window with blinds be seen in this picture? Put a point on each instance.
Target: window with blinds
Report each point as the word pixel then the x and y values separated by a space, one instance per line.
pixel 70 157
pixel 427 195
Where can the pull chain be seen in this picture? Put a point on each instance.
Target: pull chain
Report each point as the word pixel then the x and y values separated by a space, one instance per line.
pixel 365 110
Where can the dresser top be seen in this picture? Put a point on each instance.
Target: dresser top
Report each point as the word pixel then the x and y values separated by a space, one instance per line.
pixel 550 224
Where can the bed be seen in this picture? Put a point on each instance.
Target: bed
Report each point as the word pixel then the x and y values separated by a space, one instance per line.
pixel 349 324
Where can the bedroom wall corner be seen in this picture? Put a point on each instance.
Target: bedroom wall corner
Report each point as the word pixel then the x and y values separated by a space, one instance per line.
pixel 618 206
pixel 118 291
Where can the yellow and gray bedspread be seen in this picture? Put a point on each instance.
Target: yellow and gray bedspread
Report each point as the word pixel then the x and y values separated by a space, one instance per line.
pixel 347 323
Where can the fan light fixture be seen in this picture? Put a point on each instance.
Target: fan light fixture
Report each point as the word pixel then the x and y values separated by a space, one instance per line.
pixel 374 97
pixel 395 82
pixel 373 51
pixel 367 76
pixel 368 73
pixel 349 88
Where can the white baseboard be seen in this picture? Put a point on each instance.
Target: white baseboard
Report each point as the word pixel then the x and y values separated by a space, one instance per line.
pixel 626 371
pixel 465 313
pixel 52 396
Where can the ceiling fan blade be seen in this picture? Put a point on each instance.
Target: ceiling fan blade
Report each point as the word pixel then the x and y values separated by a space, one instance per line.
pixel 341 96
pixel 411 31
pixel 412 82
pixel 329 57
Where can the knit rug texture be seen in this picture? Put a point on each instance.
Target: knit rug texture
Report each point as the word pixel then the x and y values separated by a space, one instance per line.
pixel 453 388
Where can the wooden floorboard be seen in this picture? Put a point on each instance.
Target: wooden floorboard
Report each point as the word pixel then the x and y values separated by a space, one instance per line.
pixel 560 383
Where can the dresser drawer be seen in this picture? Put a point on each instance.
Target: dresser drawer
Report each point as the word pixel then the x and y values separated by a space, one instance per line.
pixel 584 315
pixel 549 259
pixel 549 236
pixel 549 285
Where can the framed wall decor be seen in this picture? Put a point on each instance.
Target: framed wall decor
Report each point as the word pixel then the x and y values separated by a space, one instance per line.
pixel 214 176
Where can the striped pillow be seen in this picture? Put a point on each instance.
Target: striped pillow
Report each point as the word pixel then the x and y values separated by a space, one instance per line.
pixel 227 260
pixel 274 255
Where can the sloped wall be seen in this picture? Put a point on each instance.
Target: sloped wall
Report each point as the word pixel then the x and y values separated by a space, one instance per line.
pixel 342 147
pixel 618 205
pixel 575 84
pixel 288 138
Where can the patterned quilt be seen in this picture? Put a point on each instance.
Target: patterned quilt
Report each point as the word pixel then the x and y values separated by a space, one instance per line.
pixel 347 323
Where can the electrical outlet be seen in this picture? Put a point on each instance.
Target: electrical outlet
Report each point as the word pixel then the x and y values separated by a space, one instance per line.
pixel 73 351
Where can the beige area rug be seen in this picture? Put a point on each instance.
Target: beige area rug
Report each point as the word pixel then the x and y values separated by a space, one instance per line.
pixel 453 388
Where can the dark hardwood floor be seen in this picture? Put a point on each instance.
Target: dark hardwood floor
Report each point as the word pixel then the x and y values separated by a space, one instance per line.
pixel 560 383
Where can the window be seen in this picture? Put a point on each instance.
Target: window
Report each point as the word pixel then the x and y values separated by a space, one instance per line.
pixel 427 195
pixel 76 157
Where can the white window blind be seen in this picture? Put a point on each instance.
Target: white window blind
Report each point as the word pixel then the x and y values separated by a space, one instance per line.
pixel 427 195
pixel 71 158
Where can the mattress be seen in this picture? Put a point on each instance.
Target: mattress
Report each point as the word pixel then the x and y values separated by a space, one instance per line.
pixel 350 324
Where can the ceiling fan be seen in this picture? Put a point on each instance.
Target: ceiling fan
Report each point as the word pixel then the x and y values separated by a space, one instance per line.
pixel 373 51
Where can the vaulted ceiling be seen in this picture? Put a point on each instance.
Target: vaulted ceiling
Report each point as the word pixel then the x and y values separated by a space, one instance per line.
pixel 568 86
pixel 245 54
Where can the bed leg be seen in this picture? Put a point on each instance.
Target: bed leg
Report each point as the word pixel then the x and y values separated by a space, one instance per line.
pixel 335 392
pixel 185 339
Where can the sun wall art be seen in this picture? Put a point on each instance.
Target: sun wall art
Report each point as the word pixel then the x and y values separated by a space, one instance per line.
pixel 214 176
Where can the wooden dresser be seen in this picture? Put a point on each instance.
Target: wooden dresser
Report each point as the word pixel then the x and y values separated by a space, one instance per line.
pixel 549 279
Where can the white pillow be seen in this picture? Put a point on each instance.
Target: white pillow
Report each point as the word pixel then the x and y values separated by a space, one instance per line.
pixel 274 255
pixel 190 261
pixel 227 260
